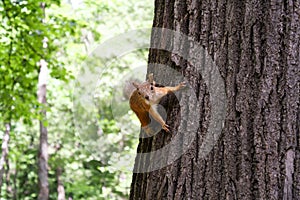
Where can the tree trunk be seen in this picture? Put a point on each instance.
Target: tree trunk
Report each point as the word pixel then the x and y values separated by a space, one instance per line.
pixel 60 185
pixel 43 148
pixel 256 47
pixel 4 154
pixel 9 188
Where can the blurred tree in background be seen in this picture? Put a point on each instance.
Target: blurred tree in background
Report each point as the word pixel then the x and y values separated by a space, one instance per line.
pixel 63 36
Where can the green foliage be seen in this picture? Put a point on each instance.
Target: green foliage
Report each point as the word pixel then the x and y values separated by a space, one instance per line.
pixel 27 35
pixel 25 40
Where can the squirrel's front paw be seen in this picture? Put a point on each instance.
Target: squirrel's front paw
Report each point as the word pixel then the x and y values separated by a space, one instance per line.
pixel 182 85
pixel 166 127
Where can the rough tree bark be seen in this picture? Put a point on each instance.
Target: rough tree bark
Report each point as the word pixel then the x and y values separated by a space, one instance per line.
pixel 256 46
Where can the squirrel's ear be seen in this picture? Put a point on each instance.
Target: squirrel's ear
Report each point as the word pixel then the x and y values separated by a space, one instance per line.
pixel 136 85
pixel 150 78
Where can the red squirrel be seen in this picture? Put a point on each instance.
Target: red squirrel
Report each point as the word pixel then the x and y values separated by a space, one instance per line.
pixel 144 99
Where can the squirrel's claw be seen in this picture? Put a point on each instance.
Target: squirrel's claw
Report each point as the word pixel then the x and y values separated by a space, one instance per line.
pixel 182 85
pixel 166 127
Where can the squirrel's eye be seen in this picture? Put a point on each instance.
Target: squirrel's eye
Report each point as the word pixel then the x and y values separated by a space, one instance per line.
pixel 151 88
pixel 139 93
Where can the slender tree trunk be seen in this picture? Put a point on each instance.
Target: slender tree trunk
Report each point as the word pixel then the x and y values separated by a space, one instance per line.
pixel 60 186
pixel 15 189
pixel 9 188
pixel 43 148
pixel 256 46
pixel 5 142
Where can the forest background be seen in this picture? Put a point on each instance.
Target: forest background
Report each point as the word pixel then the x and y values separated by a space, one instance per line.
pixel 62 33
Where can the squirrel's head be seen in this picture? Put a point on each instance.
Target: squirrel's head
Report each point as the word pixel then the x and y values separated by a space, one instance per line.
pixel 148 91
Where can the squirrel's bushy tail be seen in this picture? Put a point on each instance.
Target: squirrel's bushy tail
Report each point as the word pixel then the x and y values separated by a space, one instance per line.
pixel 128 88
